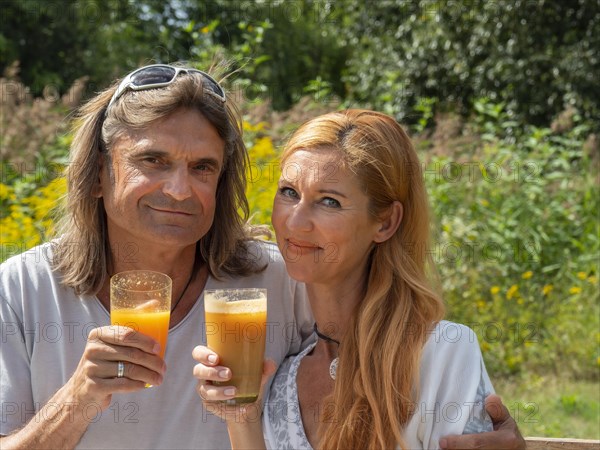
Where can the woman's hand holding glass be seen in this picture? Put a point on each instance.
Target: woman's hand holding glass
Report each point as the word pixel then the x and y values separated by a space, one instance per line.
pixel 208 371
pixel 243 419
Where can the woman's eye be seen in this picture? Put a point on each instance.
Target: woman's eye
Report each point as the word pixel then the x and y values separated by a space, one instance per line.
pixel 331 202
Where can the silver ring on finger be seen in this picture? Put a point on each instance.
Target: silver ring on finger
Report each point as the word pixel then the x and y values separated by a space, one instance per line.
pixel 120 369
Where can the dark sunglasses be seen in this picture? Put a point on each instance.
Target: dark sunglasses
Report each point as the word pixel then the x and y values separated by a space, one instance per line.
pixel 161 75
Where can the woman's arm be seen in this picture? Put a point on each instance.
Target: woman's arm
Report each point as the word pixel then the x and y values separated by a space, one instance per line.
pixel 246 435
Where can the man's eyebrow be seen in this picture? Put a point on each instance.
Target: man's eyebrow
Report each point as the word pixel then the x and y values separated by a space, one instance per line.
pixel 141 150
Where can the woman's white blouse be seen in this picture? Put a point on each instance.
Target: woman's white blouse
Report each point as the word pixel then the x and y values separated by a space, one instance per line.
pixel 453 387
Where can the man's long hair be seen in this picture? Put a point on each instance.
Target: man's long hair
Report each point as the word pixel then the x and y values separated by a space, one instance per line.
pixel 82 255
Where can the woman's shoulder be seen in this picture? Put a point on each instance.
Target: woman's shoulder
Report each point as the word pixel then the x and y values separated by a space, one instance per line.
pixel 451 340
pixel 449 332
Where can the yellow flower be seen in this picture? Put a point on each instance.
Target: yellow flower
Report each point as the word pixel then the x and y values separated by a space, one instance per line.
pixel 575 290
pixel 204 30
pixel 512 291
pixel 480 304
pixel 4 191
pixel 581 275
pixel 262 149
pixel 494 290
pixel 484 202
pixel 593 279
pixel 547 289
pixel 260 126
pixel 527 275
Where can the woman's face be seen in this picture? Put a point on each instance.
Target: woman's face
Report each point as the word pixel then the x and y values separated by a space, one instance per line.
pixel 321 218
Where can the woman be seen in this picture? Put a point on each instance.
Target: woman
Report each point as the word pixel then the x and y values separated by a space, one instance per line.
pixel 352 223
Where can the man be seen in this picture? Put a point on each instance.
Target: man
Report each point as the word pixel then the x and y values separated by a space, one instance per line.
pixel 156 180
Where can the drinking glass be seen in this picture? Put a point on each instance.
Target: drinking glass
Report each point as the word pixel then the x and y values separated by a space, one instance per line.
pixel 141 299
pixel 236 328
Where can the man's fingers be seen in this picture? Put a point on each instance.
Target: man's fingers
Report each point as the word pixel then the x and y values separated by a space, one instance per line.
pixel 459 442
pixel 504 423
pixel 497 440
pixel 125 337
pixel 496 409
pixel 136 372
pixel 107 346
pixel 505 436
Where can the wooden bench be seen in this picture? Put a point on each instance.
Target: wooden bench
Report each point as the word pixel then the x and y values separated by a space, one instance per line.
pixel 541 443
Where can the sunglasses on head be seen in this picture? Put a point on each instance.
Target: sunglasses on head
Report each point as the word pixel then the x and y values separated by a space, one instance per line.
pixel 161 75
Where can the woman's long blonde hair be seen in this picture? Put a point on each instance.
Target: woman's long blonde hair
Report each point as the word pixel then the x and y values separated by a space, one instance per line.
pixel 377 378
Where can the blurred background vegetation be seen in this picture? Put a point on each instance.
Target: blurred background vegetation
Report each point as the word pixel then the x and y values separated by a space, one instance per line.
pixel 500 97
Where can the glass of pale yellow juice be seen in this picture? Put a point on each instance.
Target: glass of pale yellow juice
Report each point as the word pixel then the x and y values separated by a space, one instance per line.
pixel 141 299
pixel 236 328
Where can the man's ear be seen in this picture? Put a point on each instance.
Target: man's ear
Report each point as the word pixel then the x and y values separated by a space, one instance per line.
pixel 390 223
pixel 97 189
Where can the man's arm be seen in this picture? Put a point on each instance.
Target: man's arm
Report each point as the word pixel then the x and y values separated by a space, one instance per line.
pixel 62 421
pixel 506 434
pixel 59 424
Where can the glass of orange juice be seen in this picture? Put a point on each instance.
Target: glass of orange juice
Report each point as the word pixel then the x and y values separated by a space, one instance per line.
pixel 236 328
pixel 141 299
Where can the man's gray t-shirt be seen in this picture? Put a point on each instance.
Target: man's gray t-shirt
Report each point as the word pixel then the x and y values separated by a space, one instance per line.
pixel 44 331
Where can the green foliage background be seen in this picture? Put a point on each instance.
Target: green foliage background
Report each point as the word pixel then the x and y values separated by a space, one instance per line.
pixel 534 56
pixel 501 99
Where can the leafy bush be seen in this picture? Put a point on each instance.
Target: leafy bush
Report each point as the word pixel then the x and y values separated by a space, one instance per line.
pixel 518 246
pixel 536 56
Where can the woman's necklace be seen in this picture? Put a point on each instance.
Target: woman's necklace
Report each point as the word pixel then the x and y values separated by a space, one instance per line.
pixel 334 364
pixel 184 291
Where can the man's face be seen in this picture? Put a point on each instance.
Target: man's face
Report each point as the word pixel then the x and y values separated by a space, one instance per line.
pixel 159 188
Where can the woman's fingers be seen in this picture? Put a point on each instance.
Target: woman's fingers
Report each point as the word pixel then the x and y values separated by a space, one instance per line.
pixel 206 369
pixel 210 393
